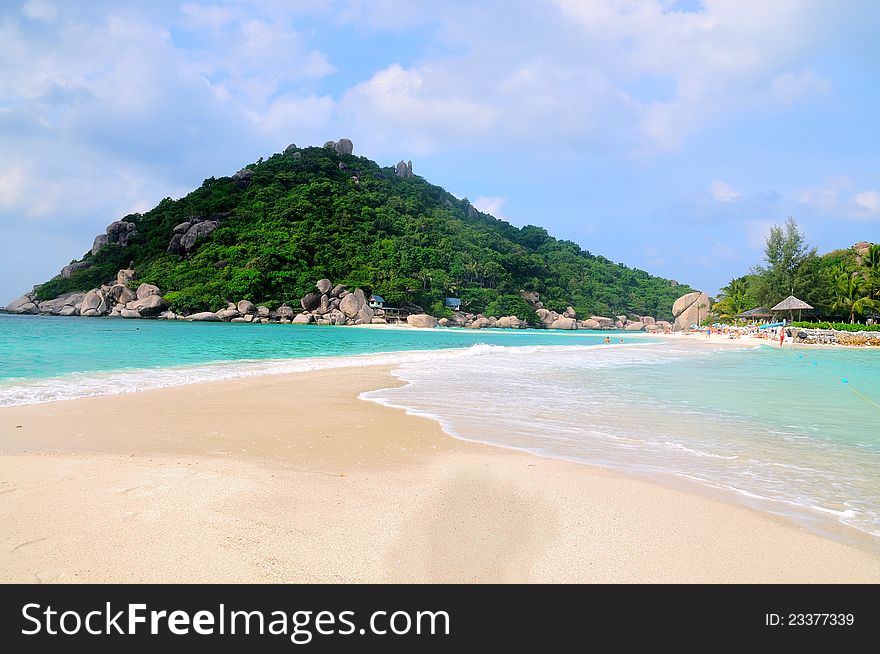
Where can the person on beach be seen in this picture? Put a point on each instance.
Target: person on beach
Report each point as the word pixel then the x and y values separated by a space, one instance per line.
pixel 608 339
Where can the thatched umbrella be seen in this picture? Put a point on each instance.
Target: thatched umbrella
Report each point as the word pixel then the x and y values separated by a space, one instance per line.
pixel 790 304
pixel 759 313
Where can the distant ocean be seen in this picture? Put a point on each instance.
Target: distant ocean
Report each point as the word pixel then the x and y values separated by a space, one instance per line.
pixel 778 430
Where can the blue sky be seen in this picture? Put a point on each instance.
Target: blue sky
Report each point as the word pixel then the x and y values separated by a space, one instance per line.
pixel 665 135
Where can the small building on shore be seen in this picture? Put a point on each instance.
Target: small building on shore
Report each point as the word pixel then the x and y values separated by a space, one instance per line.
pixel 792 304
pixel 377 302
pixel 453 303
pixel 755 315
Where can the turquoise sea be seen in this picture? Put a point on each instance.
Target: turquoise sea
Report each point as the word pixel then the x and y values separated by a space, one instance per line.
pixel 795 432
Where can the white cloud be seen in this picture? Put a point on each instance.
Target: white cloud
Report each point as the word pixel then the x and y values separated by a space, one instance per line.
pixel 757 232
pixel 209 16
pixel 418 103
pixel 106 107
pixel 789 88
pixel 492 205
pixel 40 10
pixel 867 204
pixel 823 199
pixel 653 257
pixel 835 199
pixel 580 75
pixel 12 182
pixel 722 192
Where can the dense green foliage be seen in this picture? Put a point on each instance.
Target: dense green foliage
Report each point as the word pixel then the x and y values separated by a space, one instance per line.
pixel 301 219
pixel 839 284
pixel 839 326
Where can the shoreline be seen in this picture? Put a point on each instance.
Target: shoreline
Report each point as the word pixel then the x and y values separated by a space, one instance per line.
pixel 292 478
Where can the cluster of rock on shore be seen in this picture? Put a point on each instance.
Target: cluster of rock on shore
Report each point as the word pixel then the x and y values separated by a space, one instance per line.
pixel 552 320
pixel 108 300
pixel 329 304
pixel 811 336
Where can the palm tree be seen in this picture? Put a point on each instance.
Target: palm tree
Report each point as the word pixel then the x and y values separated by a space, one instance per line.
pixel 848 292
pixel 871 265
pixel 868 282
pixel 734 299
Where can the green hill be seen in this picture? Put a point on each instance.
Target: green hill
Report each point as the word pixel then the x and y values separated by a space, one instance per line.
pixel 274 228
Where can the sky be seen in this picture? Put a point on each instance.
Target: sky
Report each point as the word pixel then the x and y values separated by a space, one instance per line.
pixel 666 135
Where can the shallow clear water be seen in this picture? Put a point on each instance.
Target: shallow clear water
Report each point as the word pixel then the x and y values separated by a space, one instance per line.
pixel 776 429
pixel 46 358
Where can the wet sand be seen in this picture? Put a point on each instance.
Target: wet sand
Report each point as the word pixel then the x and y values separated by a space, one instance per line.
pixel 292 478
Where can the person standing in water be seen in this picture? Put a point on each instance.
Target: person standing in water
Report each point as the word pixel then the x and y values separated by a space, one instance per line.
pixel 608 339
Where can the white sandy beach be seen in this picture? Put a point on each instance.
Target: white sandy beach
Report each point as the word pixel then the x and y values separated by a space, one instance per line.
pixel 292 478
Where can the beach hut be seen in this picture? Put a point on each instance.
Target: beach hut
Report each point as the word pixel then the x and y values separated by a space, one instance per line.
pixel 453 303
pixel 792 304
pixel 377 301
pixel 758 313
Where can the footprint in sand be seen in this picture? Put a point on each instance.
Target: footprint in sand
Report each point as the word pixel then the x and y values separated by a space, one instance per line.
pixel 26 543
pixel 131 489
pixel 147 515
pixel 48 576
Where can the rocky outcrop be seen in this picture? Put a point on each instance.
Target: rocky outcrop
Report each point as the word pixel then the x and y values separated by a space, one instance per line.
pixel 690 309
pixel 147 307
pixel 115 300
pixel 243 177
pixel 187 234
pixel 344 146
pixel 204 316
pixel 126 276
pixel 146 290
pixel 76 266
pixel 63 305
pixel 634 326
pixel 861 249
pixel 286 312
pixel 350 305
pixel 121 294
pixel 403 169
pixel 422 321
pixel 118 232
pixel 290 149
pixel 480 322
pixel 95 303
pixel 508 322
pixel 23 305
pixel 311 301
pixel 564 323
